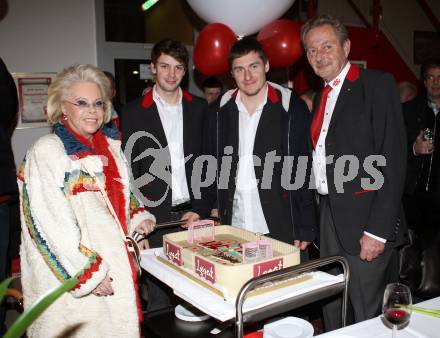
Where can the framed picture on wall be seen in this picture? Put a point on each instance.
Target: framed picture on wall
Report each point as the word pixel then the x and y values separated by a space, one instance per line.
pixel 32 98
pixel 360 63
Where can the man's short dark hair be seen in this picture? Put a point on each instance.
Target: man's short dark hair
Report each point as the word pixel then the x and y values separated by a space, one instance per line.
pixel 431 63
pixel 111 78
pixel 245 46
pixel 170 47
pixel 336 24
pixel 212 82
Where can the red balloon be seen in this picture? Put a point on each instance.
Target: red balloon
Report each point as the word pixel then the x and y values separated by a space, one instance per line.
pixel 281 42
pixel 212 48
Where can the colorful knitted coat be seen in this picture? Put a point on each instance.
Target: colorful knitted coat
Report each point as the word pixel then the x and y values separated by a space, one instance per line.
pixel 68 230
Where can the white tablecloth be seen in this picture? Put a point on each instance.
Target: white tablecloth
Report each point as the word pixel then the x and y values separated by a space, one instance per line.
pixel 213 304
pixel 420 326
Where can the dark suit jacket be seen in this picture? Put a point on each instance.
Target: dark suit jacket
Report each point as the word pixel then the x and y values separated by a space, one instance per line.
pixel 142 115
pixel 289 214
pixel 367 120
pixel 8 119
pixel 418 116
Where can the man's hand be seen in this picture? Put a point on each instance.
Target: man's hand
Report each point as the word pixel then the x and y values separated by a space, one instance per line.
pixel 214 212
pixel 422 146
pixel 302 245
pixel 370 248
pixel 144 244
pixel 145 227
pixel 189 217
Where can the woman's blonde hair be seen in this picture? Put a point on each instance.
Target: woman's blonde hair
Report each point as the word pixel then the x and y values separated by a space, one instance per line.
pixel 60 87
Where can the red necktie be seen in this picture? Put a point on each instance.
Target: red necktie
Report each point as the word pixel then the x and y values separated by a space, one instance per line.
pixel 315 127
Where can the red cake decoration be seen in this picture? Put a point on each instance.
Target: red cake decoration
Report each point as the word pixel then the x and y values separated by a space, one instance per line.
pixel 173 253
pixel 205 269
pixel 269 266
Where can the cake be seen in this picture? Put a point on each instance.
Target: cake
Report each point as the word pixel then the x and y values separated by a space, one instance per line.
pixel 219 264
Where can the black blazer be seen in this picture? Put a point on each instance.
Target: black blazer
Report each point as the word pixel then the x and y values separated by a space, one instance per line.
pixel 153 171
pixel 418 116
pixel 8 120
pixel 289 214
pixel 367 120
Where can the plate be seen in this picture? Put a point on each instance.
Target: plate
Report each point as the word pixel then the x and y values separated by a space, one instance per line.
pixel 189 313
pixel 289 327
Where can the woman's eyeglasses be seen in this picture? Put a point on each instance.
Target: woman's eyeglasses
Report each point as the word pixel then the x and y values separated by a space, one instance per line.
pixel 83 104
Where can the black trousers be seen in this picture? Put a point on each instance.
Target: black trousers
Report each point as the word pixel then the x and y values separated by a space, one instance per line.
pixel 421 259
pixel 160 296
pixel 367 279
pixel 422 211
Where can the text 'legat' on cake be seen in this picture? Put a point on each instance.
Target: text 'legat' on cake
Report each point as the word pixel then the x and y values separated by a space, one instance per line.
pixel 218 262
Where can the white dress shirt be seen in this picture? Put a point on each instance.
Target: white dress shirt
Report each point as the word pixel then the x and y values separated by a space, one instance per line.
pixel 319 153
pixel 247 212
pixel 171 117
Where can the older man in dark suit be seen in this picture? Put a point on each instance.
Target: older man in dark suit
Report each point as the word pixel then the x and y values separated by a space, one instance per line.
pixel 359 154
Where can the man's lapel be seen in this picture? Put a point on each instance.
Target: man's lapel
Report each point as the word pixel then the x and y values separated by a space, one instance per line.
pixel 231 126
pixel 267 126
pixel 152 119
pixel 187 123
pixel 350 90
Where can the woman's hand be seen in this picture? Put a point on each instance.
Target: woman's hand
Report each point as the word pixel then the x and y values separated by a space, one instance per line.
pixel 104 288
pixel 144 244
pixel 145 227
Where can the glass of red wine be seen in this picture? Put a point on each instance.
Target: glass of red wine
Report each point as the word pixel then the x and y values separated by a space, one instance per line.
pixel 397 305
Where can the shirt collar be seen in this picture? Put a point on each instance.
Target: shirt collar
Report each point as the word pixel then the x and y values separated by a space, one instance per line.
pixel 336 83
pixel 160 101
pixel 241 106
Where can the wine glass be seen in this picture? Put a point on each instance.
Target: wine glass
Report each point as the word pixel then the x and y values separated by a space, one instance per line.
pixel 397 305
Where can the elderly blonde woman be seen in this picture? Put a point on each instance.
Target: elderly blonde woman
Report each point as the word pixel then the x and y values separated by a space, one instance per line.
pixel 76 208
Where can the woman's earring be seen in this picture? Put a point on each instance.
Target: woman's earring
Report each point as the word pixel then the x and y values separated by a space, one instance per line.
pixel 64 117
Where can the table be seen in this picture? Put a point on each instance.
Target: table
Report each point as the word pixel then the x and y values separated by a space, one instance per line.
pixel 225 309
pixel 316 286
pixel 420 326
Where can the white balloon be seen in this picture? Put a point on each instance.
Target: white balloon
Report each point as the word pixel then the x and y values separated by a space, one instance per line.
pixel 244 17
